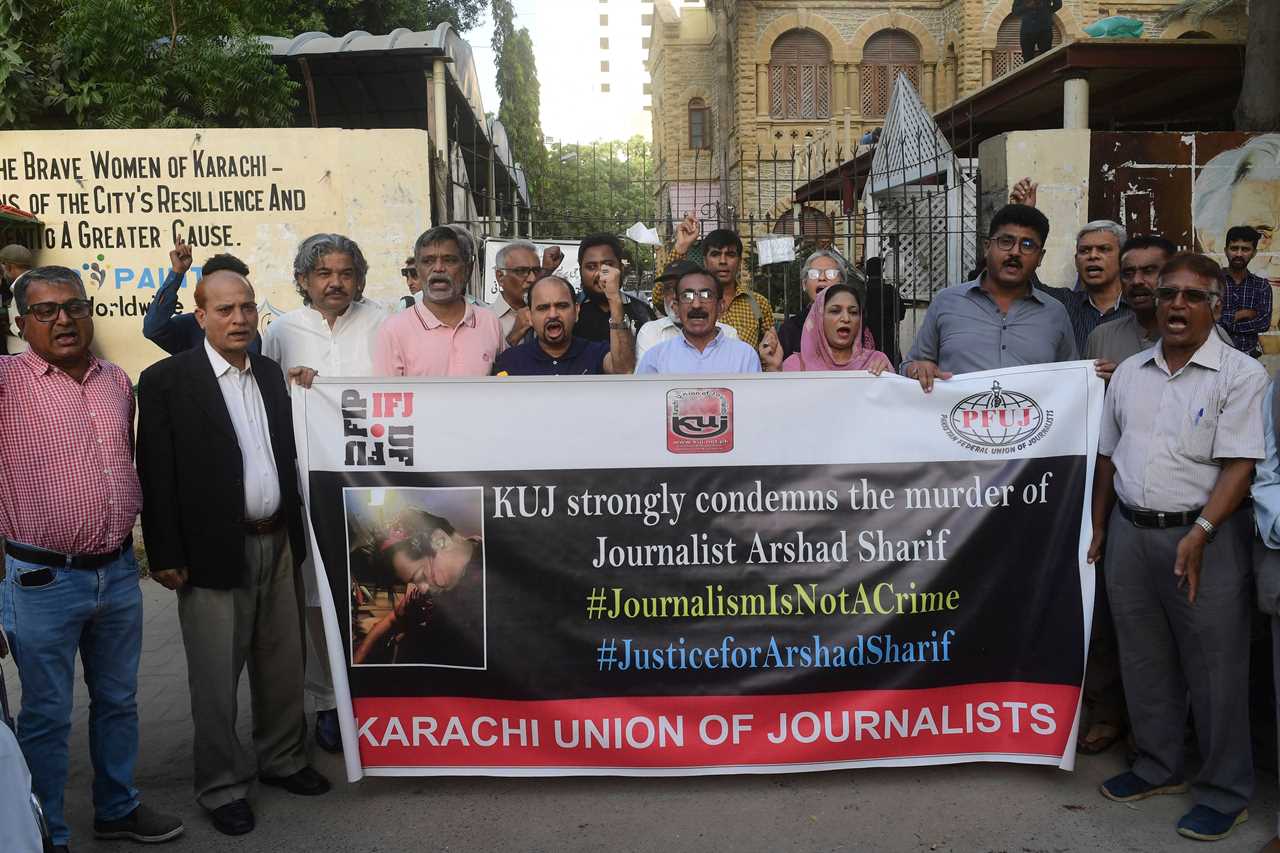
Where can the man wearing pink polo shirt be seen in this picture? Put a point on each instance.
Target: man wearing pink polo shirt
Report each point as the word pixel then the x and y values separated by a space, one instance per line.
pixel 444 335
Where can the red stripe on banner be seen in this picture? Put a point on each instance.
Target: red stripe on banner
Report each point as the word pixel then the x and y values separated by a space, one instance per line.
pixel 1005 718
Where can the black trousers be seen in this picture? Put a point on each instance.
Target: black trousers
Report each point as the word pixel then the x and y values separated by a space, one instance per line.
pixel 1035 43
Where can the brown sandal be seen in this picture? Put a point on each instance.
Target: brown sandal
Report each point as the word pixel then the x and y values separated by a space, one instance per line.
pixel 1099 738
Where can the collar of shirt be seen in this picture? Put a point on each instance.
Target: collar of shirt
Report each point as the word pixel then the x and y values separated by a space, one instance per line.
pixel 221 365
pixel 1102 312
pixel 40 367
pixel 345 319
pixel 576 345
pixel 431 321
pixel 715 342
pixel 1209 355
pixel 1031 294
pixel 500 305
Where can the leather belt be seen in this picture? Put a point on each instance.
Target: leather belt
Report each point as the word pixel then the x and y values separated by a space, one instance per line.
pixel 1158 520
pixel 264 526
pixel 54 560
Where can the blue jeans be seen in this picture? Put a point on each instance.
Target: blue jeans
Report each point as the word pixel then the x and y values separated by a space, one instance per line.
pixel 100 613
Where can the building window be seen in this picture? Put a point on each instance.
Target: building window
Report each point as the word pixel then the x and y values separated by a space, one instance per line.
pixel 604 65
pixel 646 20
pixel 800 76
pixel 699 124
pixel 604 87
pixel 1008 53
pixel 604 44
pixel 604 20
pixel 887 54
pixel 648 88
pixel 644 43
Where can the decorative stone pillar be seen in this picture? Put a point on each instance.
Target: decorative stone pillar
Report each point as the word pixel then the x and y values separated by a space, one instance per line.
pixel 854 80
pixel 926 85
pixel 762 90
pixel 986 67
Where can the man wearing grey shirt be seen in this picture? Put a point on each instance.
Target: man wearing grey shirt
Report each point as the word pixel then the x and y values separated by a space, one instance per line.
pixel 1181 432
pixel 998 319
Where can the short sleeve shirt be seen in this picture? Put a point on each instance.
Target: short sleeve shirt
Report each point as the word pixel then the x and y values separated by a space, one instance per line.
pixel 1167 433
pixel 415 343
pixel 583 358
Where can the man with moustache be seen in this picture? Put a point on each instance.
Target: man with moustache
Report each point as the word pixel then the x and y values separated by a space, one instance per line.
pixel 516 267
pixel 15 261
pixel 1181 432
pixel 998 319
pixel 1096 298
pixel 1133 331
pixel 444 334
pixel 667 327
pixel 68 500
pixel 223 527
pixel 330 335
pixel 701 347
pixel 555 351
pixel 748 312
pixel 1246 298
pixel 596 253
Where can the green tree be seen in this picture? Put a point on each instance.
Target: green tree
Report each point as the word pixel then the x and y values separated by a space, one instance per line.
pixel 518 91
pixel 383 16
pixel 1258 107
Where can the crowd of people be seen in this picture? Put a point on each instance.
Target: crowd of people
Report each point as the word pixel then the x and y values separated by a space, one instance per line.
pixel 1187 460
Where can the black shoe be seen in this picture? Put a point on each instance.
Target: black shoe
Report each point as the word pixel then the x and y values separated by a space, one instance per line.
pixel 328 735
pixel 235 818
pixel 143 824
pixel 306 782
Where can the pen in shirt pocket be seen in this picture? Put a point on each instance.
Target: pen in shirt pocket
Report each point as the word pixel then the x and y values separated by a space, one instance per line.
pixel 1199 415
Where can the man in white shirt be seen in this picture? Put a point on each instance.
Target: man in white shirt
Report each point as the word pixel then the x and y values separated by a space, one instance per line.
pixel 330 335
pixel 668 327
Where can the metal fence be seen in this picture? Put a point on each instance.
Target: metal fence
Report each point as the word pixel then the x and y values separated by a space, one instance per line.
pixel 907 200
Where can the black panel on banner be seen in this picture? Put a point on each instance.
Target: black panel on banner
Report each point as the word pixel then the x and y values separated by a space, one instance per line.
pixel 1004 605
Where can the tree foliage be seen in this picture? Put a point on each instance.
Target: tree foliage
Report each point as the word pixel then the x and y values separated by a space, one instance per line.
pixel 383 16
pixel 518 91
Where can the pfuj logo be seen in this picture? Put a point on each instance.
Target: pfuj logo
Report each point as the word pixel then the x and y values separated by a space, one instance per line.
pixel 700 420
pixel 997 421
pixel 378 427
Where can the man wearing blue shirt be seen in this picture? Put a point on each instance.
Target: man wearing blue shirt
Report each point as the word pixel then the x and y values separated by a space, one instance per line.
pixel 554 351
pixel 703 347
pixel 173 332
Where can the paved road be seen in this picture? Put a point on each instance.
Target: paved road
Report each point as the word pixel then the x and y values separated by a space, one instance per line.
pixel 960 808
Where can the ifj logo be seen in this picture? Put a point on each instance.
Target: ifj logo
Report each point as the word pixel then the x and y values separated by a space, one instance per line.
pixel 700 420
pixel 373 437
pixel 997 421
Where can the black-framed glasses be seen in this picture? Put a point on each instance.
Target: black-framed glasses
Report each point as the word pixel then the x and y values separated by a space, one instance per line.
pixel 706 294
pixel 520 272
pixel 409 272
pixel 1193 295
pixel 1006 242
pixel 47 312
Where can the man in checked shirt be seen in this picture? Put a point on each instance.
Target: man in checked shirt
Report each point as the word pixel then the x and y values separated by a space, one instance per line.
pixel 68 500
pixel 1246 298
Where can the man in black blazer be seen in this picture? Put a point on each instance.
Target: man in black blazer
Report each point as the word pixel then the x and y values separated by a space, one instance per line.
pixel 223 526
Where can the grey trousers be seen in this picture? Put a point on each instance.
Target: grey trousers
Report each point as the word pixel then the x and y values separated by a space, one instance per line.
pixel 223 630
pixel 1170 649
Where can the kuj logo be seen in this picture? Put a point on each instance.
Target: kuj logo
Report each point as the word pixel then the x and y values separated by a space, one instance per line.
pixel 997 421
pixel 378 433
pixel 700 420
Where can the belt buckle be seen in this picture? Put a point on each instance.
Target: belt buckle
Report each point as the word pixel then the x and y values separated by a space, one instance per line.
pixel 1160 521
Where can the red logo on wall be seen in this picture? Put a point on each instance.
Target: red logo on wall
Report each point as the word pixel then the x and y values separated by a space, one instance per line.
pixel 700 420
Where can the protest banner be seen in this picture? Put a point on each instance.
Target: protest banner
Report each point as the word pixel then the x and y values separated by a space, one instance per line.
pixel 692 575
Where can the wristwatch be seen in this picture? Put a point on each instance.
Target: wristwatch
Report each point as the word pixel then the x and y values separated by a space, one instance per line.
pixel 1207 526
pixel 618 327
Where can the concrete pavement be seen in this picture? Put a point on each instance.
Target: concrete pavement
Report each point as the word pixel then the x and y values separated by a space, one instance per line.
pixel 971 807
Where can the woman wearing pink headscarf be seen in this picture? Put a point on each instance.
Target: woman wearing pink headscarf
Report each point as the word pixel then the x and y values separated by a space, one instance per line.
pixel 832 338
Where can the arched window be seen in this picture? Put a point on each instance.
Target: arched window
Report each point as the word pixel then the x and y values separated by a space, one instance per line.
pixel 1008 53
pixel 800 76
pixel 699 124
pixel 887 54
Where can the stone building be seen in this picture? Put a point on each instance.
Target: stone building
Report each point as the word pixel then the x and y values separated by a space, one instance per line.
pixel 744 90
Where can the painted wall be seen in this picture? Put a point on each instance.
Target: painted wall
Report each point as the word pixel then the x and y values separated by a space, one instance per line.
pixel 113 201
pixel 1059 161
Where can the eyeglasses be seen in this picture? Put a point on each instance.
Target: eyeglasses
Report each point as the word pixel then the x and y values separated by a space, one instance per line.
pixel 47 312
pixel 520 272
pixel 409 272
pixel 1193 295
pixel 829 275
pixel 1026 245
pixel 706 294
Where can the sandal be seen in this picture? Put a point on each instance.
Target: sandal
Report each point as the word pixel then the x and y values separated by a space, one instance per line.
pixel 1099 738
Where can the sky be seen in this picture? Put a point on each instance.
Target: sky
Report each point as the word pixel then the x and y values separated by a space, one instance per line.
pixel 566 43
